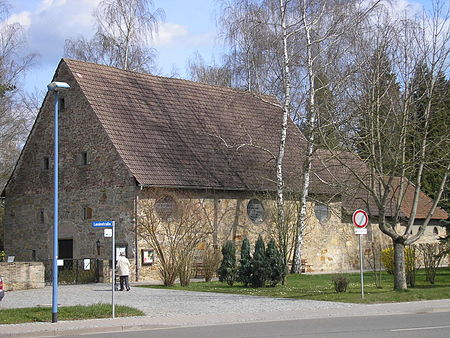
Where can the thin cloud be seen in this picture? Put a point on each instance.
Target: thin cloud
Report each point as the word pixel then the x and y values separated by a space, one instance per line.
pixel 175 35
pixel 22 18
pixel 170 34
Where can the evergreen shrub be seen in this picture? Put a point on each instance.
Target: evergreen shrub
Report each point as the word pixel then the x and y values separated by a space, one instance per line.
pixel 275 264
pixel 227 269
pixel 259 264
pixel 245 266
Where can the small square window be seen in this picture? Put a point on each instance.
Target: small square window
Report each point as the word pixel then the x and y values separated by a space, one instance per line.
pixel 46 163
pixel 87 213
pixel 84 158
pixel 62 104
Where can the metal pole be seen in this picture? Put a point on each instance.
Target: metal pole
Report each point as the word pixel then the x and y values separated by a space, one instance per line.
pixel 361 267
pixel 113 267
pixel 55 216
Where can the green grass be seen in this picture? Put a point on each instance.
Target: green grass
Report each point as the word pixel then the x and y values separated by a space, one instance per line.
pixel 320 287
pixel 44 314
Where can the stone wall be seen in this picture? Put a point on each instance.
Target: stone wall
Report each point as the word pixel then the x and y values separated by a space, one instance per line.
pixel 330 244
pixel 101 189
pixel 22 275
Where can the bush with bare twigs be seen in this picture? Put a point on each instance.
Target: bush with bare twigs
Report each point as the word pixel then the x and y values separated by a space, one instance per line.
pixel 174 235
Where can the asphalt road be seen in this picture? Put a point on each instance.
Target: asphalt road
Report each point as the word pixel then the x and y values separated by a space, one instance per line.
pixel 409 325
pixel 175 313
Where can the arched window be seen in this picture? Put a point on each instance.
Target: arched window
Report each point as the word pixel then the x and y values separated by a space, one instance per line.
pixel 435 231
pixel 166 208
pixel 255 211
pixel 322 212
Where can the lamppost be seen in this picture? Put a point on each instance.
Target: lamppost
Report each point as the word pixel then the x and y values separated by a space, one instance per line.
pixel 55 87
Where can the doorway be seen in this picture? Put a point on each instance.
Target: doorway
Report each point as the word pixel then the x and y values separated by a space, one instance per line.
pixel 65 248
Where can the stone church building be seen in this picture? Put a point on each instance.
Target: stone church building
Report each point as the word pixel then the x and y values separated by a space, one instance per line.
pixel 128 138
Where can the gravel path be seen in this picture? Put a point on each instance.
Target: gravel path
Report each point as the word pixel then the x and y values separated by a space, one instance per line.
pixel 159 302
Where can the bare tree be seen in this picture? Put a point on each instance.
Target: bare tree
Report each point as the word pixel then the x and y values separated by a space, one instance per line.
pixel 124 30
pixel 199 71
pixel 175 236
pixel 382 127
pixel 260 33
pixel 14 121
pixel 284 46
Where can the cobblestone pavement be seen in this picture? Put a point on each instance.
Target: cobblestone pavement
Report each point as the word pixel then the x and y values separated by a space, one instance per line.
pixel 160 302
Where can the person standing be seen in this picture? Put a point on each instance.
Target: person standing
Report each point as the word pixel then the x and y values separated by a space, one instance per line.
pixel 123 270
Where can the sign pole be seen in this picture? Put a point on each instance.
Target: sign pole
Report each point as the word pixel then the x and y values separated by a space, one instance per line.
pixel 360 219
pixel 361 267
pixel 113 267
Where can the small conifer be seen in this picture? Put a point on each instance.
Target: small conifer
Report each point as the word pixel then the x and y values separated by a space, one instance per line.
pixel 245 266
pixel 259 264
pixel 275 264
pixel 227 270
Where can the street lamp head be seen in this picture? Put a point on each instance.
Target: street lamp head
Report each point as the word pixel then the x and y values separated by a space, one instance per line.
pixel 57 86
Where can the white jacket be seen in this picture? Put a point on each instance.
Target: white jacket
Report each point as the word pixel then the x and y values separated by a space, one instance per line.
pixel 123 266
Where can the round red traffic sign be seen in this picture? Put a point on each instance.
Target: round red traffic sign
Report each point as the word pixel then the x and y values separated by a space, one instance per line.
pixel 360 218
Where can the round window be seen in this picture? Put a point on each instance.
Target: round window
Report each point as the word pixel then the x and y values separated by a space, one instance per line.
pixel 166 208
pixel 322 212
pixel 255 211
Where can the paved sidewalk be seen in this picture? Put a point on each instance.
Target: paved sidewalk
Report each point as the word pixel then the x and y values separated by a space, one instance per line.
pixel 173 308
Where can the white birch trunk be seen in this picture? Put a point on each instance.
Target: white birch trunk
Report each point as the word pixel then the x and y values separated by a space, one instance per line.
pixel 283 134
pixel 311 124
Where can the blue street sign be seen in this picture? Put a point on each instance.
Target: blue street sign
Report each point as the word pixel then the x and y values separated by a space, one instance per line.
pixel 102 224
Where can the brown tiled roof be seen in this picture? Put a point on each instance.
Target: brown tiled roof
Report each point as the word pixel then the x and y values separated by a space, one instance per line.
pixel 327 168
pixel 173 132
pixel 425 202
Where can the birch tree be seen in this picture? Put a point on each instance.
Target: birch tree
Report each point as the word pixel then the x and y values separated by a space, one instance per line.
pixel 284 45
pixel 252 28
pixel 124 30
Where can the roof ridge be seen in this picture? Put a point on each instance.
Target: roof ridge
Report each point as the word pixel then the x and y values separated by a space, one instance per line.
pixel 188 82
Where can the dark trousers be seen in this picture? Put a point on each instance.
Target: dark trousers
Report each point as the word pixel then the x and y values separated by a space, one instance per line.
pixel 124 280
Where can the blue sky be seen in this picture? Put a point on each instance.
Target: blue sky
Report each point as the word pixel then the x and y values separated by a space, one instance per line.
pixel 189 26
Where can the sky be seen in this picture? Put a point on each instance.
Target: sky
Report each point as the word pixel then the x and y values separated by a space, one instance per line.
pixel 189 27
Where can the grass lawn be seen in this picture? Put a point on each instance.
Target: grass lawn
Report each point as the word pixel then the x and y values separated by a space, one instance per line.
pixel 44 314
pixel 320 287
